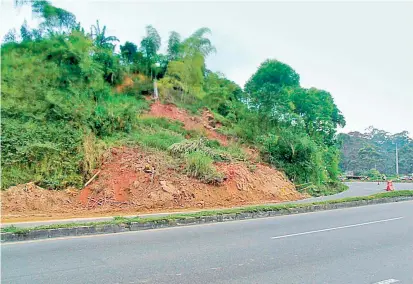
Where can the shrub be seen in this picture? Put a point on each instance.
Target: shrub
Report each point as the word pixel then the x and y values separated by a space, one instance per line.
pixel 116 113
pixel 200 165
pixel 374 174
pixel 296 154
pixel 236 152
pixel 213 144
pixel 328 188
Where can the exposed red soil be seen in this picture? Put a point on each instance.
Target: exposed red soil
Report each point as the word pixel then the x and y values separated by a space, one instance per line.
pixel 127 82
pixel 205 123
pixel 149 181
pixel 133 181
pixel 29 199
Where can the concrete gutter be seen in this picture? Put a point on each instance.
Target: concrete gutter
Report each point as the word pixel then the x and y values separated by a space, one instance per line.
pixel 139 226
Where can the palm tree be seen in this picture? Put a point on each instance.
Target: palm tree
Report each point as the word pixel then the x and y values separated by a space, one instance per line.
pixel 99 37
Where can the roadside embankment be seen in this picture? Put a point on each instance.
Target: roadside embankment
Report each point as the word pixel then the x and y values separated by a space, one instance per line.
pixel 121 224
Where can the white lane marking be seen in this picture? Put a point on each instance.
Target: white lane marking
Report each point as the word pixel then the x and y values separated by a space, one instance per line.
pixel 337 228
pixel 388 281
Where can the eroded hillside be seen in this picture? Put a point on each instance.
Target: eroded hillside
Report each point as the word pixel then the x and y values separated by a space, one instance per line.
pixel 136 179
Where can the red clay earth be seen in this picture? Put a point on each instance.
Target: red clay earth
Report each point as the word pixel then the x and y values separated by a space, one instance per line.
pixel 132 181
pixel 205 123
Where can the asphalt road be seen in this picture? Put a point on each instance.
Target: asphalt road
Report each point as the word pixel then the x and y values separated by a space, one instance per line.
pixel 355 189
pixel 369 244
pixel 360 189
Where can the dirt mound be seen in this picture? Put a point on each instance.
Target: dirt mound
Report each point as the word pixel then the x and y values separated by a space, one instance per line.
pixel 148 181
pixel 26 199
pixel 205 123
pixel 131 181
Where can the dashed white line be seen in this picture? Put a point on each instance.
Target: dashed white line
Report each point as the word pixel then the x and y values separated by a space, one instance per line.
pixel 337 228
pixel 388 281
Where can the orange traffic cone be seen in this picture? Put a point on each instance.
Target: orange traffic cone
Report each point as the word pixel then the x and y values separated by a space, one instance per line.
pixel 389 186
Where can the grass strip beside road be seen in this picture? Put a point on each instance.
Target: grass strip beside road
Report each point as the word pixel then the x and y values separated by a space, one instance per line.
pixel 173 217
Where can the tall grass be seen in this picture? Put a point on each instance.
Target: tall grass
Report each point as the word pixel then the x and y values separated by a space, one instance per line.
pixel 160 123
pixel 92 152
pixel 159 140
pixel 200 165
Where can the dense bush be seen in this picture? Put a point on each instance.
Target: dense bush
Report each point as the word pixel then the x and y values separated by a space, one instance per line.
pixel 374 174
pixel 43 152
pixel 53 94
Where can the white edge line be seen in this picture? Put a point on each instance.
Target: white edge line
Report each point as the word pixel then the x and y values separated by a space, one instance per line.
pixel 142 231
pixel 337 228
pixel 388 281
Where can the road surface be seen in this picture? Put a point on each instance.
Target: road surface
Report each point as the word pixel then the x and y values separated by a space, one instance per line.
pixel 363 245
pixel 359 189
pixel 355 189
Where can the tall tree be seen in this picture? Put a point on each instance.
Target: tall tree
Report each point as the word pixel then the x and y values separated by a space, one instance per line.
pixel 128 51
pixel 25 33
pixel 320 113
pixel 198 43
pixel 270 87
pixel 174 46
pixel 10 36
pixel 150 45
pixel 55 20
pixel 188 67
pixel 273 73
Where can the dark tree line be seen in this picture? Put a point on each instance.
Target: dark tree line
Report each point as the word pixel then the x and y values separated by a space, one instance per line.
pixel 376 149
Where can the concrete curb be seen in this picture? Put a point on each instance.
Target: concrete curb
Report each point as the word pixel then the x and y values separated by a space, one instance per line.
pixel 116 228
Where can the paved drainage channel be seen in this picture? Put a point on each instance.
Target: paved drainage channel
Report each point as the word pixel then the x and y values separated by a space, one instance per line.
pixel 117 228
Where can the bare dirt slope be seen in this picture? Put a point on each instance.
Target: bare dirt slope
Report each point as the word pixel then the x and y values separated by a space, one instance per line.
pixel 149 181
pixel 205 123
pixel 134 181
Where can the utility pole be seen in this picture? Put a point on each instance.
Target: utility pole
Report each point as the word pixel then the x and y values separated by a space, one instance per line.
pixel 397 162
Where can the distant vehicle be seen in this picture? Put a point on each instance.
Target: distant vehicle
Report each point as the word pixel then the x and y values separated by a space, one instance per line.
pixel 357 177
pixel 405 178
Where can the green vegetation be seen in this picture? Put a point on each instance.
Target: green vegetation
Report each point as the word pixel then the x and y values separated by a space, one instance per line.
pixel 199 165
pixel 60 109
pixel 173 217
pixel 330 188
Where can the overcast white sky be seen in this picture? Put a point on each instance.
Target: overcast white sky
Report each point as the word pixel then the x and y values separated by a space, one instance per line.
pixel 360 52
